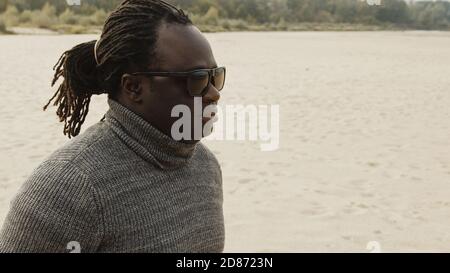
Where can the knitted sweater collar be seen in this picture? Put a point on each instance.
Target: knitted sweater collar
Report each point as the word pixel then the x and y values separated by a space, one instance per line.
pixel 145 140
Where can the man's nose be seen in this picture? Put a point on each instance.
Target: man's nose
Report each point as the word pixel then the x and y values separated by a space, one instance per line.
pixel 212 96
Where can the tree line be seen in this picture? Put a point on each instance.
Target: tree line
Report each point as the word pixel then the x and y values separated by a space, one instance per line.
pixel 235 14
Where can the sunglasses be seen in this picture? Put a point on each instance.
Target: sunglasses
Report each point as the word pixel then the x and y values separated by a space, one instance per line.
pixel 197 81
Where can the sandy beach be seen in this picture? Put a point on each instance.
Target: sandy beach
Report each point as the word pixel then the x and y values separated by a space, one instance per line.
pixel 364 136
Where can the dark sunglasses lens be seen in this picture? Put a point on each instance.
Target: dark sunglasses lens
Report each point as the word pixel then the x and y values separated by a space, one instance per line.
pixel 219 79
pixel 197 82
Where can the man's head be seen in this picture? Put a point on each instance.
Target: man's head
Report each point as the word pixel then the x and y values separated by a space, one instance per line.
pixel 139 36
pixel 179 48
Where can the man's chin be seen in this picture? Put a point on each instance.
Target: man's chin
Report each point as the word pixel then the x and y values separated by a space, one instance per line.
pixel 195 140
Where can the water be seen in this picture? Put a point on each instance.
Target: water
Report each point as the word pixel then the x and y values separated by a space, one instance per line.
pixel 364 136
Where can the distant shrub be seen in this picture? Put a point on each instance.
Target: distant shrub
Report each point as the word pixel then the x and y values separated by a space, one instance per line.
pixel 195 18
pixel 49 10
pixel 211 17
pixel 99 17
pixel 238 24
pixel 86 21
pixel 43 18
pixel 26 16
pixel 225 24
pixel 3 5
pixel 2 26
pixel 68 17
pixel 11 16
pixel 75 30
pixel 282 25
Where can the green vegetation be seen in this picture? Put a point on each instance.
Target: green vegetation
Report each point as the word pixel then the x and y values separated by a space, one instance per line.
pixel 2 26
pixel 237 15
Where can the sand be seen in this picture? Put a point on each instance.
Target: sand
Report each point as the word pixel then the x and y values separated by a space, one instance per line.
pixel 364 136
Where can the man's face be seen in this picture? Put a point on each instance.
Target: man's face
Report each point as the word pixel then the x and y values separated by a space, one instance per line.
pixel 178 49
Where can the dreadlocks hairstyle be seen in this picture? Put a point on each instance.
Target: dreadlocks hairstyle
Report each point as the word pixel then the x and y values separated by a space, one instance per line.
pixel 127 43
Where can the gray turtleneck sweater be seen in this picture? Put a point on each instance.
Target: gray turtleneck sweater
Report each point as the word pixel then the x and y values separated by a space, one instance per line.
pixel 121 186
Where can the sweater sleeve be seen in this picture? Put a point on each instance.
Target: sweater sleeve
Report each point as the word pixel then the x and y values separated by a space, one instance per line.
pixel 55 211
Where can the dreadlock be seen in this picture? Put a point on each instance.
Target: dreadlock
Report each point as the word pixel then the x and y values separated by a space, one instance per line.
pixel 127 43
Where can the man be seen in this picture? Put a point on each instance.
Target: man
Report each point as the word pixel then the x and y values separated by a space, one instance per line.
pixel 125 185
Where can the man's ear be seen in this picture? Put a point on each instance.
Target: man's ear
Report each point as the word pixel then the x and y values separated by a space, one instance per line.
pixel 132 87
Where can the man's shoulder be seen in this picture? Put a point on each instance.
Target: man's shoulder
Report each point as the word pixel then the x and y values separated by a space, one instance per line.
pixel 55 182
pixel 96 145
pixel 69 172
